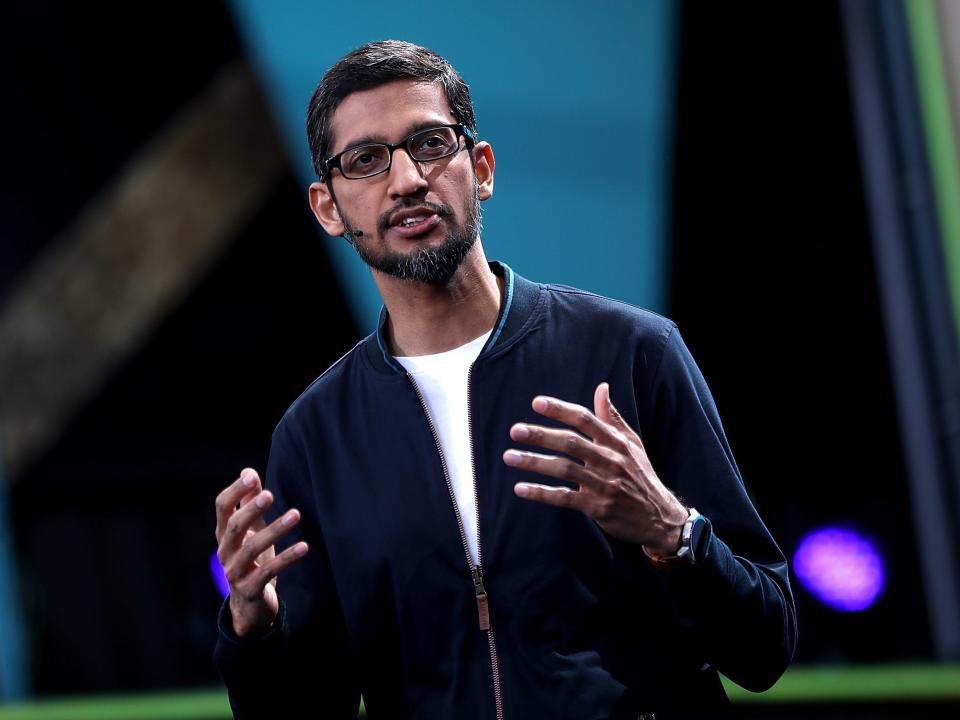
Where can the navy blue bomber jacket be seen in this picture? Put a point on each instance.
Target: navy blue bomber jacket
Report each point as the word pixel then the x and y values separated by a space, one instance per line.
pixel 581 625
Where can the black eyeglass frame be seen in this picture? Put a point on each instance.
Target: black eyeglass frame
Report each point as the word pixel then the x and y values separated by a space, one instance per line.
pixel 462 131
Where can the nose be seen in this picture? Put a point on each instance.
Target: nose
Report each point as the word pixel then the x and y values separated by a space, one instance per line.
pixel 406 175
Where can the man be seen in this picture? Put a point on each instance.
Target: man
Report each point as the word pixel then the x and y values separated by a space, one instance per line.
pixel 472 525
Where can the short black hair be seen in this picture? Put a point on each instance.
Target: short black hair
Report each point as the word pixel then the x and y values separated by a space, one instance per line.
pixel 370 66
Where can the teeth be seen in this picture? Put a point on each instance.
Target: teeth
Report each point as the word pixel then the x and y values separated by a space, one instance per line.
pixel 412 220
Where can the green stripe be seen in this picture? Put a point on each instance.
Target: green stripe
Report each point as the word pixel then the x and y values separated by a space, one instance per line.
pixel 801 684
pixel 202 705
pixel 191 705
pixel 941 144
pixel 872 683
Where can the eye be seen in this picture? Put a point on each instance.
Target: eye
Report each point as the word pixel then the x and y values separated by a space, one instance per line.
pixel 433 143
pixel 364 160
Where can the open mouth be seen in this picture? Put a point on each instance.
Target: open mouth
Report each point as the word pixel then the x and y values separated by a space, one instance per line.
pixel 414 222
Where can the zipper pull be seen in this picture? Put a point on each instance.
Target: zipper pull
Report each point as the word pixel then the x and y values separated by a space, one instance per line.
pixel 483 608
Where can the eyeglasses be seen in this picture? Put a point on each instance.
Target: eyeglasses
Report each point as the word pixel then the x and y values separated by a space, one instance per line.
pixel 365 161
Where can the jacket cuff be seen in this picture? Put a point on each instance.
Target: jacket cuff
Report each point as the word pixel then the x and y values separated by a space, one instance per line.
pixel 712 570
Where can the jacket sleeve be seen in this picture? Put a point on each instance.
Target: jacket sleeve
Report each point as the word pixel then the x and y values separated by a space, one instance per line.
pixel 737 598
pixel 303 661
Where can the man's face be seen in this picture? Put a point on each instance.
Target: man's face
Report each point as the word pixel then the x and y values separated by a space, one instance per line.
pixel 418 220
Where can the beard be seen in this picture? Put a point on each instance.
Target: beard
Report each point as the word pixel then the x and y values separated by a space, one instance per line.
pixel 434 265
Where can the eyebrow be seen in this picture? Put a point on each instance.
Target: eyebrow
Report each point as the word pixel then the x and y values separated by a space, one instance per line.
pixel 411 129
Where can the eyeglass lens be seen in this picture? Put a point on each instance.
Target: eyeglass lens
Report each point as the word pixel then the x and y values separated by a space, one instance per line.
pixel 424 146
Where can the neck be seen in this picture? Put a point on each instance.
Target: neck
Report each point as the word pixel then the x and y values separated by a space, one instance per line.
pixel 425 319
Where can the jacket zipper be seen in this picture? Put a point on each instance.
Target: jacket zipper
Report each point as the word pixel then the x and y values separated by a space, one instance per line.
pixel 482 604
pixel 476 571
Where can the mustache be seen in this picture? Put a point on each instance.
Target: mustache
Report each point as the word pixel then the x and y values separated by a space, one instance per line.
pixel 385 221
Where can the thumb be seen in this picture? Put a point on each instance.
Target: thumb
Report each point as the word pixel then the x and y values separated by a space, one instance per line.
pixel 604 409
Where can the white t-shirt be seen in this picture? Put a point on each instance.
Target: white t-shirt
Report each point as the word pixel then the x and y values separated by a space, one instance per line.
pixel 442 379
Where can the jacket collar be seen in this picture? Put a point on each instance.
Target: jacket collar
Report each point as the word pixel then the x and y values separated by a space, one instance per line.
pixel 519 300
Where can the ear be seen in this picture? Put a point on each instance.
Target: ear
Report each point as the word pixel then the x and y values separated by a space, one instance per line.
pixel 325 209
pixel 484 164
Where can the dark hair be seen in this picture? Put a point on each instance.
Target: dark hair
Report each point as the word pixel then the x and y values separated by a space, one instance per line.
pixel 372 65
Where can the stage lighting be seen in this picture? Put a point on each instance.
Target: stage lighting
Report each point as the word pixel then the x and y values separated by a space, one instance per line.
pixel 218 577
pixel 840 567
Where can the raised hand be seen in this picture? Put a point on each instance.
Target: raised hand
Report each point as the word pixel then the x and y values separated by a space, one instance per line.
pixel 617 485
pixel 246 551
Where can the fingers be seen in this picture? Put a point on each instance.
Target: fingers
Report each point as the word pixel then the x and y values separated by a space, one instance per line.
pixel 565 441
pixel 262 541
pixel 248 583
pixel 281 562
pixel 558 467
pixel 605 451
pixel 246 485
pixel 557 496
pixel 254 564
pixel 249 516
pixel 582 419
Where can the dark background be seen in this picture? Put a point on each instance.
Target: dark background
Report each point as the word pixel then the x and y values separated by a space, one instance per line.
pixel 774 289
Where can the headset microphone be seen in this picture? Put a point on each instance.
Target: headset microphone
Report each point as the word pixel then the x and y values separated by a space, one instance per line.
pixel 350 234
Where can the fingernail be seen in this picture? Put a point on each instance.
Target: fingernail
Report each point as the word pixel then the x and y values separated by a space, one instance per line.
pixel 249 480
pixel 521 432
pixel 512 457
pixel 262 500
pixel 300 549
pixel 521 489
pixel 290 518
pixel 540 404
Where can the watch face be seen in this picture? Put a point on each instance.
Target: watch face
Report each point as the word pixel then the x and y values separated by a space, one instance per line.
pixel 696 536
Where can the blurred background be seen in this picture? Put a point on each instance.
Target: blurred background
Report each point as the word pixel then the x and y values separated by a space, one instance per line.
pixel 788 193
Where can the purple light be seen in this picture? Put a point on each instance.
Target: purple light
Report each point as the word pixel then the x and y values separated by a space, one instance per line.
pixel 218 577
pixel 841 568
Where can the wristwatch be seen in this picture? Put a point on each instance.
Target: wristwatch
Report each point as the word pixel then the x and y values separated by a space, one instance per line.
pixel 689 536
pixel 689 542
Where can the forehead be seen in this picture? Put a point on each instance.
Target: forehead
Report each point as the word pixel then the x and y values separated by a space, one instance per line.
pixel 388 112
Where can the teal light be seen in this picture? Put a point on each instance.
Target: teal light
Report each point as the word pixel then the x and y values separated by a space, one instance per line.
pixel 13 664
pixel 553 84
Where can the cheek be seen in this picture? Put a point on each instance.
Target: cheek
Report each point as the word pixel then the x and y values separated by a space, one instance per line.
pixel 455 183
pixel 360 209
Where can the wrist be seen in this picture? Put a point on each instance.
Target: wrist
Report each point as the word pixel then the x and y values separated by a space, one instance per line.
pixel 246 621
pixel 683 547
pixel 250 636
pixel 669 539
